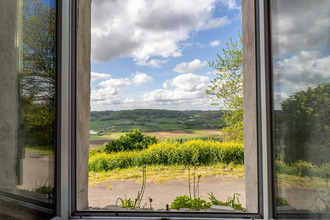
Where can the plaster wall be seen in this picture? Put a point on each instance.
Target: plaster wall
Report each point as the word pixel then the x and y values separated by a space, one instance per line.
pixel 83 67
pixel 250 105
pixel 8 95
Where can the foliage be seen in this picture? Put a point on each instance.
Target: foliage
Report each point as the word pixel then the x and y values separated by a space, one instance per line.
pixel 46 189
pixel 303 126
pixel 38 74
pixel 281 201
pixel 227 88
pixel 134 140
pixel 193 152
pixel 303 169
pixel 231 202
pixel 186 202
pixel 128 203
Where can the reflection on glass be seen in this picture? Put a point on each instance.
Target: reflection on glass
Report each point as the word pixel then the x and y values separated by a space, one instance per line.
pixel 301 77
pixel 28 114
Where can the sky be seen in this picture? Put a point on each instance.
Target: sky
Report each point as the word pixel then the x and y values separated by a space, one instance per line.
pixel 301 46
pixel 154 54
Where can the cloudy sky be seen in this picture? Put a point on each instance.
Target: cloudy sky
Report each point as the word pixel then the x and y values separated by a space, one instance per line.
pixel 301 46
pixel 153 54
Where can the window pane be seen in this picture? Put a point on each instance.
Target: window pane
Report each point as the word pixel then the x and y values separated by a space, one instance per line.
pixel 27 89
pixel 301 82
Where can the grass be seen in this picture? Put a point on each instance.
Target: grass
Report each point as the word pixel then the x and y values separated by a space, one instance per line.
pixel 115 135
pixel 160 174
pixel 288 181
pixel 44 150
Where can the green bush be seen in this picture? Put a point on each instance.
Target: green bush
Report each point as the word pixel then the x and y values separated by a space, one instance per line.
pixel 303 169
pixel 281 201
pixel 186 202
pixel 193 152
pixel 134 140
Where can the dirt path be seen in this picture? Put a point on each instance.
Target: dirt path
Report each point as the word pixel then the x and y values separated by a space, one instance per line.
pixel 98 142
pixel 107 193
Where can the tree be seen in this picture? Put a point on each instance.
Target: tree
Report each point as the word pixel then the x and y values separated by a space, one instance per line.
pixel 304 125
pixel 227 88
pixel 38 75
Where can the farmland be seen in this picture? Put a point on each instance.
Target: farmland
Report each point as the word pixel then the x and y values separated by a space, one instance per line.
pixel 151 120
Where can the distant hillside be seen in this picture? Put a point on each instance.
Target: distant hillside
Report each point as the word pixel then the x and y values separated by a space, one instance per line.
pixel 154 120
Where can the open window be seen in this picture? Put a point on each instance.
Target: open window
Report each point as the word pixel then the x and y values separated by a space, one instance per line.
pixel 150 71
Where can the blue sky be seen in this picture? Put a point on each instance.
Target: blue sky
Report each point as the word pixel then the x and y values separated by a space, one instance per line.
pixel 153 54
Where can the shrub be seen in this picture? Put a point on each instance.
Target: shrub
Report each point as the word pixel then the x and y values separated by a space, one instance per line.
pixel 186 202
pixel 134 140
pixel 193 152
pixel 281 201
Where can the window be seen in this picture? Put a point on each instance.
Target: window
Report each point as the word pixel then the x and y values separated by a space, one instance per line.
pixel 126 44
pixel 301 82
pixel 28 110
pixel 286 77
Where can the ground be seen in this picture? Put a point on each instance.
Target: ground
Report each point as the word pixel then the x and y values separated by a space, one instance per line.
pixel 107 193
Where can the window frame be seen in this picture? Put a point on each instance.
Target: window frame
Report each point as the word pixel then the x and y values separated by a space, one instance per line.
pixel 66 203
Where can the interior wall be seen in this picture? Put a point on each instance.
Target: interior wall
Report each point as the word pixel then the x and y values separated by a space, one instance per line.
pixel 83 67
pixel 8 95
pixel 250 105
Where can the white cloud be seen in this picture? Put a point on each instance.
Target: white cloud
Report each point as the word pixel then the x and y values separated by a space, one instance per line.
pixel 186 91
pixel 215 43
pixel 154 63
pixel 231 4
pixel 109 92
pixel 190 67
pixel 306 69
pixel 214 23
pixel 140 78
pixel 186 88
pixel 99 76
pixel 293 32
pixel 143 29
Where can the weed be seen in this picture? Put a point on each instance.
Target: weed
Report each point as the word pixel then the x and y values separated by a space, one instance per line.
pixel 46 189
pixel 231 202
pixel 195 203
pixel 281 201
pixel 128 202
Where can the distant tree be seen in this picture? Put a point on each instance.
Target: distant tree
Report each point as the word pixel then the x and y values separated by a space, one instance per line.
pixel 38 75
pixel 227 88
pixel 304 125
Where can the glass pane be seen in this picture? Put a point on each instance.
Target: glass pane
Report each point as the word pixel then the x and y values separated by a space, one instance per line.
pixel 301 77
pixel 27 88
pixel 155 136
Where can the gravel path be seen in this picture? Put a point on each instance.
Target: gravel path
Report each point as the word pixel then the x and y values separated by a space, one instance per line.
pixel 164 193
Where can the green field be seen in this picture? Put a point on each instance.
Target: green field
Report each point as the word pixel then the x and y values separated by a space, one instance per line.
pixel 179 135
pixel 148 120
